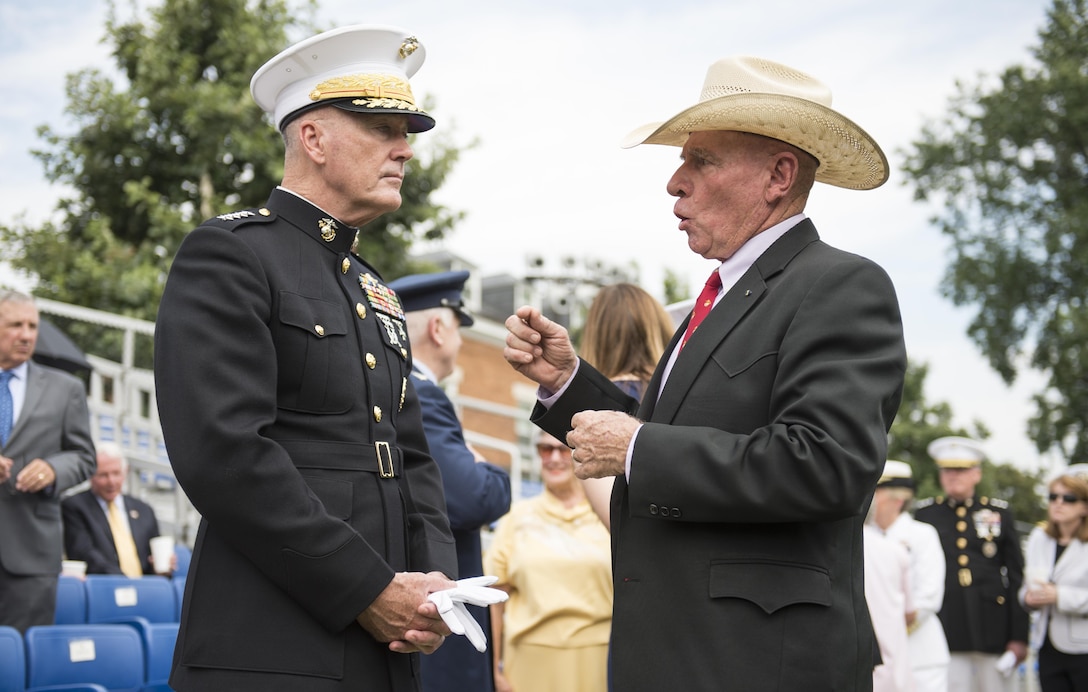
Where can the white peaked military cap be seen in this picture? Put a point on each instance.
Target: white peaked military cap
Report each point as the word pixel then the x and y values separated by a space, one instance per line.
pixel 897 474
pixel 363 68
pixel 956 452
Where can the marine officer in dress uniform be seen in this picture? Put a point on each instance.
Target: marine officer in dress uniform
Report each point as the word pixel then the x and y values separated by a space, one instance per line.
pixel 928 647
pixel 477 493
pixel 282 368
pixel 984 565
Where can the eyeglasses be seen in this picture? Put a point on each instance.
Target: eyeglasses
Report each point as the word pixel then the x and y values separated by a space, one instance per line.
pixel 546 450
pixel 1067 498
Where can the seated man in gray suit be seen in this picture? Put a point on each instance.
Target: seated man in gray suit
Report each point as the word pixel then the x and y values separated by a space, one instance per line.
pixel 89 533
pixel 45 448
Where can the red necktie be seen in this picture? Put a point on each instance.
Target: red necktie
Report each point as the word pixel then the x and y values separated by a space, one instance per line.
pixel 703 304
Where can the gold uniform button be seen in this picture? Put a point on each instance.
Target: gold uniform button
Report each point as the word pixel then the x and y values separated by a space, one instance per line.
pixel 961 542
pixel 1001 600
pixel 360 310
pixel 264 212
pixel 345 266
pixel 961 526
pixel 371 361
pixel 961 512
pixel 319 329
pixel 378 414
pixel 403 352
pixel 963 560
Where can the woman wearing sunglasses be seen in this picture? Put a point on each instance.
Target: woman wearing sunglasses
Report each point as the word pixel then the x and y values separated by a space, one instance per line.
pixel 1056 587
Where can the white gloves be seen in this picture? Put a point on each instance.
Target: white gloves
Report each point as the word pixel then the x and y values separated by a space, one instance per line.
pixel 451 606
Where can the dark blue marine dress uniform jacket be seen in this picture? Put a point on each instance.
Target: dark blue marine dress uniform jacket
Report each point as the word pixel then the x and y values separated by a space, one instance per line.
pixel 282 371
pixel 477 493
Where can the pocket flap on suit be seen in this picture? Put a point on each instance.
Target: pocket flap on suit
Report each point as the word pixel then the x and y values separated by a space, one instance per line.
pixel 770 585
pixel 311 313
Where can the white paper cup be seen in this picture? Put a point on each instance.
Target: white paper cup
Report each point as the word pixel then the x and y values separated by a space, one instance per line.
pixel 73 568
pixel 162 549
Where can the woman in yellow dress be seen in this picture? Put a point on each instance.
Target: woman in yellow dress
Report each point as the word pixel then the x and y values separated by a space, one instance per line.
pixel 551 554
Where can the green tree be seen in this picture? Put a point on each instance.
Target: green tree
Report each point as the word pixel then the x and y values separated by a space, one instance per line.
pixel 178 140
pixel 676 287
pixel 1009 163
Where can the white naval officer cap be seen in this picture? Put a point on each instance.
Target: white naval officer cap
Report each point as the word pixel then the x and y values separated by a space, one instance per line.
pixel 897 474
pixel 363 68
pixel 956 452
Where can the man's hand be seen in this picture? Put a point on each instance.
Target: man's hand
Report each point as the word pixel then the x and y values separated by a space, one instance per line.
pixel 600 440
pixel 539 348
pixel 35 477
pixel 402 615
pixel 5 468
pixel 1019 649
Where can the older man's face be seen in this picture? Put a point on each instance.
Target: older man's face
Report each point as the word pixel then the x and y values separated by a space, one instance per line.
pixel 721 189
pixel 108 478
pixel 18 333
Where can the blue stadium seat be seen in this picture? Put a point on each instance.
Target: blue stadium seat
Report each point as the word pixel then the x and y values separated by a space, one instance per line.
pixel 159 640
pixel 12 660
pixel 185 555
pixel 179 592
pixel 71 601
pixel 94 654
pixel 112 598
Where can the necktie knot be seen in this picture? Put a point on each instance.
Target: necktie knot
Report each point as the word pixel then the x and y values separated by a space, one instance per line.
pixel 703 304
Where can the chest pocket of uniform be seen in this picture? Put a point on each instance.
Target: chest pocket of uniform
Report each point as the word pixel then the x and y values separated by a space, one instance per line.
pixel 313 354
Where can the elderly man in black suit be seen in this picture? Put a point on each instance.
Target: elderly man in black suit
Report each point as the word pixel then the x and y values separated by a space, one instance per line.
pixel 45 448
pixel 283 381
pixel 107 529
pixel 743 483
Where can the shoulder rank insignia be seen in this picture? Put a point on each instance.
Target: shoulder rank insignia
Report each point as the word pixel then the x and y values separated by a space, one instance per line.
pixel 241 217
pixel 919 504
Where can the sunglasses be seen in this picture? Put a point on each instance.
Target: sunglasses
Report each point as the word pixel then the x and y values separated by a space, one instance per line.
pixel 546 450
pixel 1067 498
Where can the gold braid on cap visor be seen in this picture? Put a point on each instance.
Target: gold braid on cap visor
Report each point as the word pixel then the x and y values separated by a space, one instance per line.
pixel 373 90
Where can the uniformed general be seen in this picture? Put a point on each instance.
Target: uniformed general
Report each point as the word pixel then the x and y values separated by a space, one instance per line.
pixel 283 380
pixel 981 616
pixel 928 648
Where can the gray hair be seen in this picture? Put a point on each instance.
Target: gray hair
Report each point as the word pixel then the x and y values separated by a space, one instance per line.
pixel 10 295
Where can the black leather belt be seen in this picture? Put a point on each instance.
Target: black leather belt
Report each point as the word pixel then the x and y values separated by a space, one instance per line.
pixel 380 457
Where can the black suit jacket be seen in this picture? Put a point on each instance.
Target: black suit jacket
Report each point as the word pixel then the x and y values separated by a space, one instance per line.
pixel 87 534
pixel 737 545
pixel 282 376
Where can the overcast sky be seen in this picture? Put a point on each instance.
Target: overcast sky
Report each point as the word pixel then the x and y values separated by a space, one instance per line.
pixel 549 89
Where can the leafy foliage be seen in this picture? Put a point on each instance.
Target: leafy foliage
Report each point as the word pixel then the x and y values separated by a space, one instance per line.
pixel 172 141
pixel 1010 166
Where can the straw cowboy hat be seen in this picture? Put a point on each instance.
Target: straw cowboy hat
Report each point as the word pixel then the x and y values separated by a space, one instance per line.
pixel 746 94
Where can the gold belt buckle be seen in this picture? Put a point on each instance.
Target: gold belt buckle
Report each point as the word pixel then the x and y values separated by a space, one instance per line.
pixel 385 460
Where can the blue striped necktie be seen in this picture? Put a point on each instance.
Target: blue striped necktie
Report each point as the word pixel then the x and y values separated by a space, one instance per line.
pixel 7 408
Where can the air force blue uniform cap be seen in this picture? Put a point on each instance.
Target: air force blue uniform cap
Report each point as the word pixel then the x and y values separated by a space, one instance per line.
pixel 440 290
